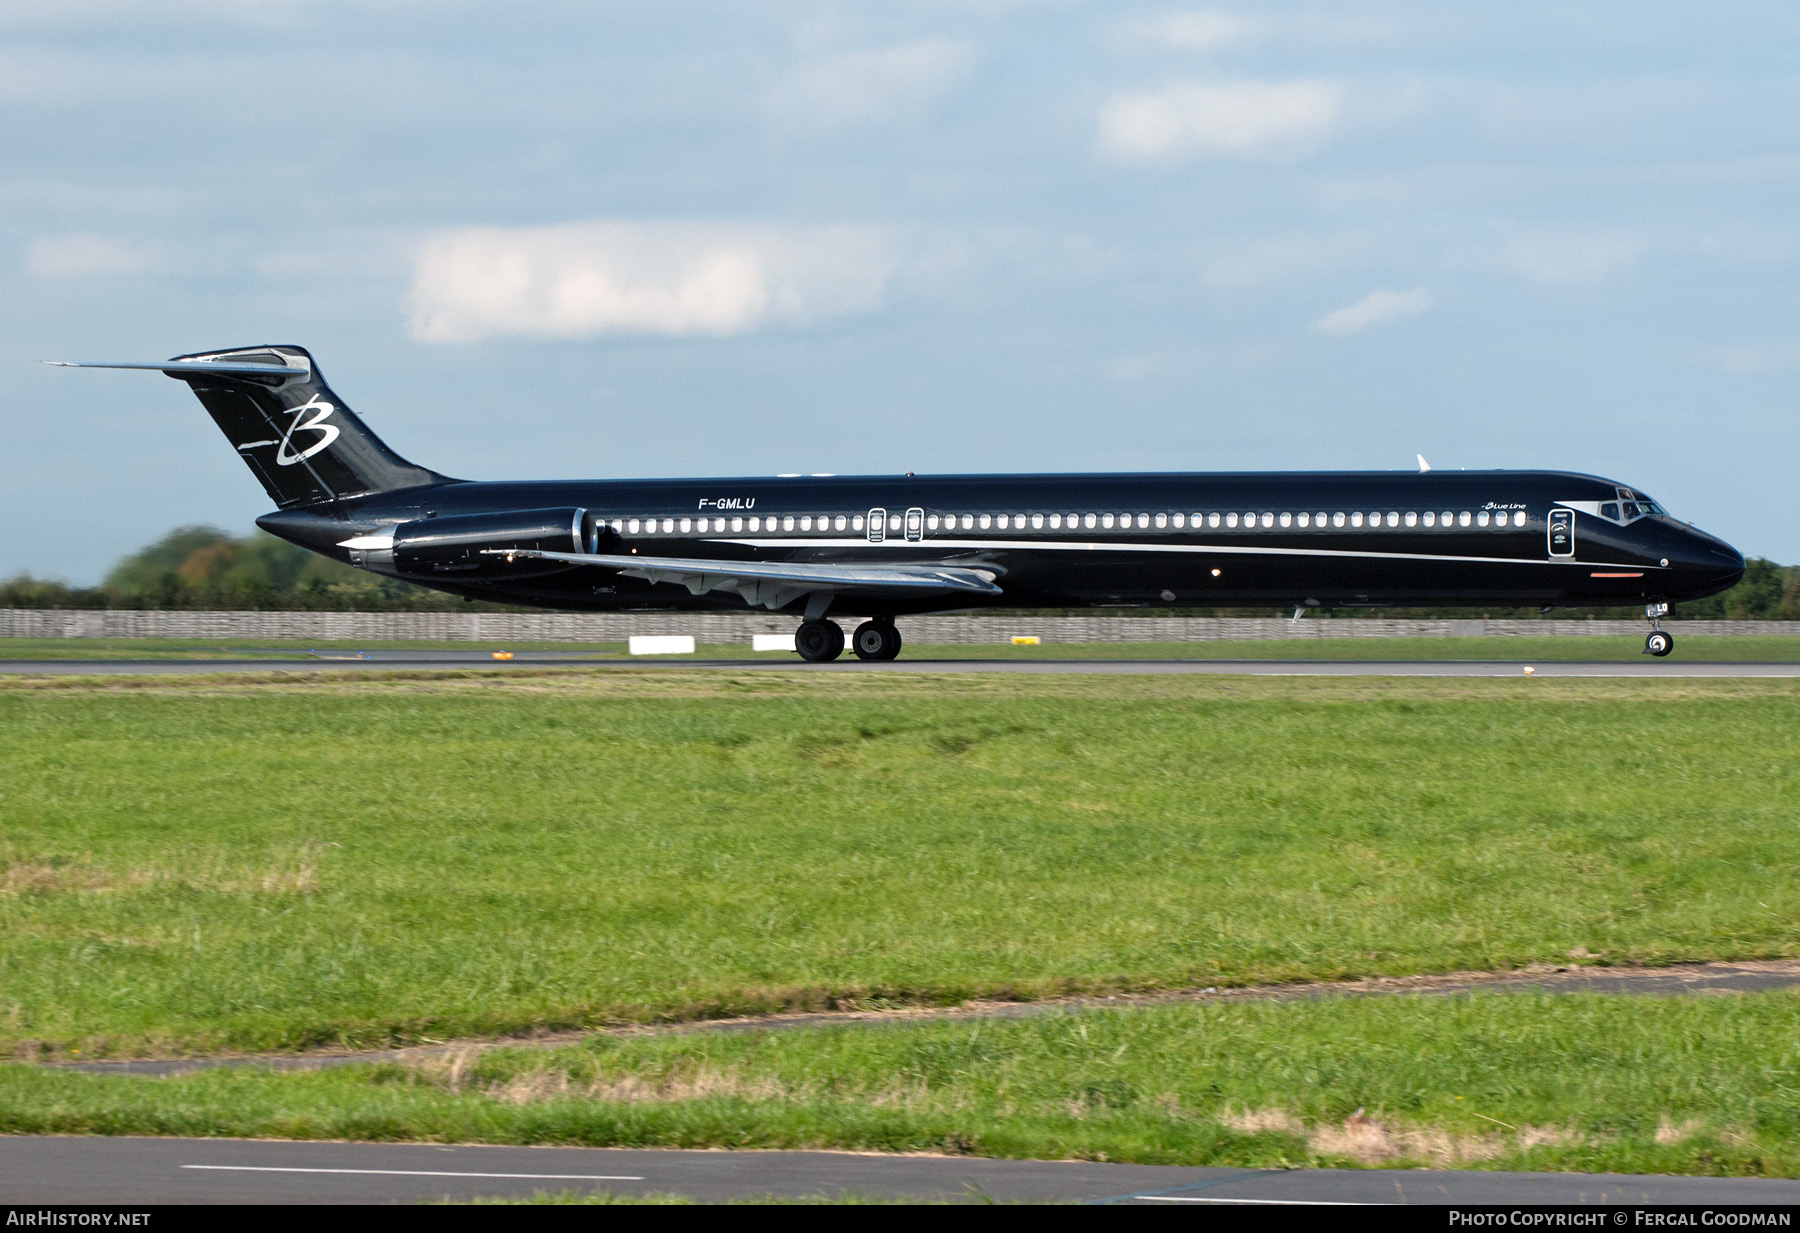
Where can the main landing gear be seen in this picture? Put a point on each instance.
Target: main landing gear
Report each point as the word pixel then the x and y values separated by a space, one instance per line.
pixel 823 641
pixel 1658 643
pixel 877 639
pixel 819 641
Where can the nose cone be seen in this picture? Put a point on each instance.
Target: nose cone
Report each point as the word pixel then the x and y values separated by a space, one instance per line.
pixel 1705 565
pixel 1734 570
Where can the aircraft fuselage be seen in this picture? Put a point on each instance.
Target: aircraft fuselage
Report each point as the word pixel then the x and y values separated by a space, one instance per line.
pixel 1504 538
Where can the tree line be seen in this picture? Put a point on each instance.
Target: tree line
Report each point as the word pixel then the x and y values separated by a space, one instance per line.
pixel 204 568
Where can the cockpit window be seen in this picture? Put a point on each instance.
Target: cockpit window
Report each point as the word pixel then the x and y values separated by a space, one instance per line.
pixel 1630 507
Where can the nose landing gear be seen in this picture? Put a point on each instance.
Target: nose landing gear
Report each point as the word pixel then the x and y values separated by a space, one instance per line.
pixel 1658 643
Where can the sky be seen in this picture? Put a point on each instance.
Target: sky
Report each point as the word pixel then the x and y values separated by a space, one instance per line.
pixel 559 240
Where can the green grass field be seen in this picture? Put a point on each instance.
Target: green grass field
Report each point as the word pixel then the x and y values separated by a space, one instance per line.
pixel 197 866
pixel 1518 1081
pixel 1695 648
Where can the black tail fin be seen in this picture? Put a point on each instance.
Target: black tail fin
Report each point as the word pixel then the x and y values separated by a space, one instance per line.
pixel 304 444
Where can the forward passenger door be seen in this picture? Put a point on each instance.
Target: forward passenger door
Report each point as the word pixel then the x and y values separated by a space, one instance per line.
pixel 1562 533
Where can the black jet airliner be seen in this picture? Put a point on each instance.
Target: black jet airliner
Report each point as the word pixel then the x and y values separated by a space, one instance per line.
pixel 879 547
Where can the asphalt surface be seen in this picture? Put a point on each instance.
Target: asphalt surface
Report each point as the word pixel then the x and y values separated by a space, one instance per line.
pixel 389 661
pixel 49 1170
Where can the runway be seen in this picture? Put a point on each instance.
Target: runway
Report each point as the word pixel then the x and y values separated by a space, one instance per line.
pixel 44 1170
pixel 393 661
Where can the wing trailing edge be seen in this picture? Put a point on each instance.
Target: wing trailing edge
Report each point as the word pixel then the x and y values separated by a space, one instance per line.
pixel 775 584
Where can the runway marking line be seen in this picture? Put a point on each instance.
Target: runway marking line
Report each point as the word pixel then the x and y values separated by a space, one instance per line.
pixel 548 1177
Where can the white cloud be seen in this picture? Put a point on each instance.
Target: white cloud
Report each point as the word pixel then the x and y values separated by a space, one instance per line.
pixel 586 280
pixel 1242 118
pixel 1373 309
pixel 1565 259
pixel 86 256
pixel 1202 31
pixel 874 85
pixel 1209 30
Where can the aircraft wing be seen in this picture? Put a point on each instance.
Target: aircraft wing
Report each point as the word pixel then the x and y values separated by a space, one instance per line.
pixel 774 584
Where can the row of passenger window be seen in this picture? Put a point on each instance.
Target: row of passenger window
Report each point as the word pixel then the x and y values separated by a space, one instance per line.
pixel 1230 520
pixel 719 526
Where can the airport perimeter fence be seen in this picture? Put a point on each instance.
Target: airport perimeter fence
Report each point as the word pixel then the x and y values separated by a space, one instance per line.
pixel 728 627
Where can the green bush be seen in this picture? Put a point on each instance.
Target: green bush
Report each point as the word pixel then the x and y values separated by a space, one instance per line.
pixel 205 568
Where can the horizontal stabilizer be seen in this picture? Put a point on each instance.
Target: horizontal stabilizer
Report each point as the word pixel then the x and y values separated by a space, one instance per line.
pixel 192 366
pixel 296 436
pixel 776 583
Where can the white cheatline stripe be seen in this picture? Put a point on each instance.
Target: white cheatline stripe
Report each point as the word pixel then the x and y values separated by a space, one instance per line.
pixel 546 1177
pixel 1181 1198
pixel 1225 549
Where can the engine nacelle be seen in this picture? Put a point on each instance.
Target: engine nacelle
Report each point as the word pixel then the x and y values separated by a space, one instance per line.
pixel 457 547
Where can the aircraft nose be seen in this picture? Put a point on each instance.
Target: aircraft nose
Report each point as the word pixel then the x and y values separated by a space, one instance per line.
pixel 1707 564
pixel 1732 562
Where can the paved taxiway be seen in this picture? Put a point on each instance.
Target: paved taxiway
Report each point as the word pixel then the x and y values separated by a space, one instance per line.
pixel 390 661
pixel 128 1171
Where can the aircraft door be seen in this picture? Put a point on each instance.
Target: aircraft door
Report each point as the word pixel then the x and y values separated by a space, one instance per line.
pixel 1562 532
pixel 877 525
pixel 915 524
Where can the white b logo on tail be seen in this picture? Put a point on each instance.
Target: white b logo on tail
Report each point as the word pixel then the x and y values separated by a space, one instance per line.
pixel 284 455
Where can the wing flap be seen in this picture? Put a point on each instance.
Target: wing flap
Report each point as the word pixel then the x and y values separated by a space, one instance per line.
pixel 774 583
